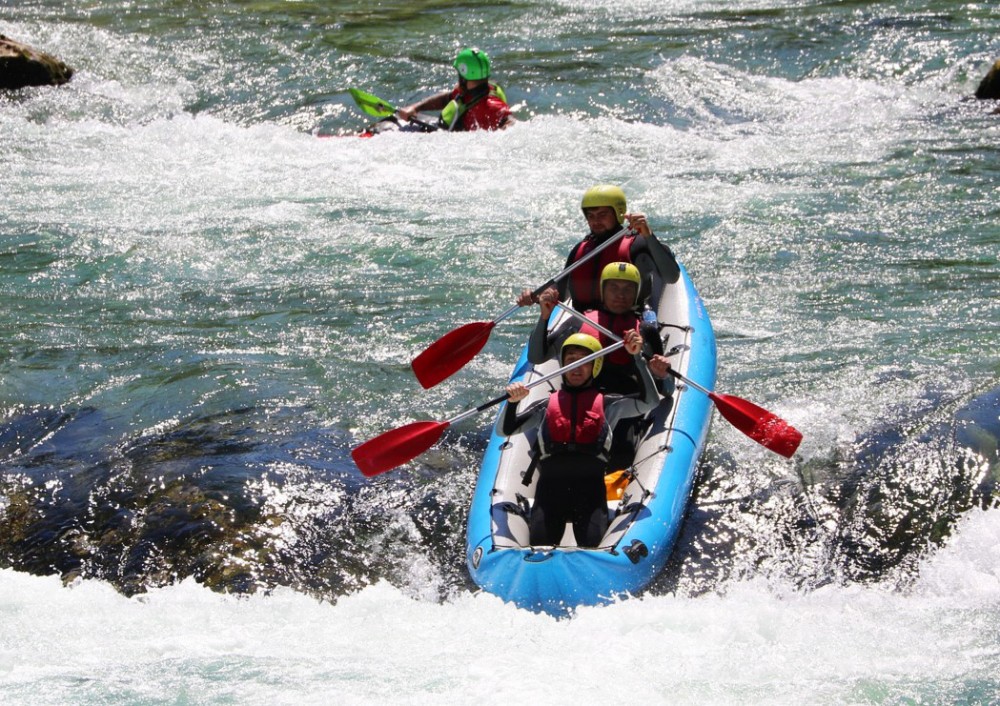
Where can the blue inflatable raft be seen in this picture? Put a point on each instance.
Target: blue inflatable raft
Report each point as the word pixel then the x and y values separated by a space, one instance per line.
pixel 644 521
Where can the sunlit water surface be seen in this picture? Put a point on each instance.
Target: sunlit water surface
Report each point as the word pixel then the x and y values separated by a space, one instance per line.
pixel 207 301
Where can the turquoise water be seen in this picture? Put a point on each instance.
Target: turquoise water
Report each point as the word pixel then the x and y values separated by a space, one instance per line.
pixel 205 306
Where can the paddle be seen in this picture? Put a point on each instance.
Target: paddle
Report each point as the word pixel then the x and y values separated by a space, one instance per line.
pixel 378 108
pixel 451 352
pixel 397 446
pixel 373 105
pixel 766 428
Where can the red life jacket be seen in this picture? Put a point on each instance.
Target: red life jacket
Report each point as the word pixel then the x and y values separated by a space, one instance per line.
pixel 486 112
pixel 618 324
pixel 585 280
pixel 575 423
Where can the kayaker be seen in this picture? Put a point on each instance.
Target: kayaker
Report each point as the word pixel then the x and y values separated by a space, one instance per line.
pixel 475 104
pixel 606 211
pixel 619 312
pixel 575 435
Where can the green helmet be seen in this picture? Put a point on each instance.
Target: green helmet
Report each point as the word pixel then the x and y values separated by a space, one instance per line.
pixel 606 195
pixel 472 64
pixel 584 340
pixel 624 271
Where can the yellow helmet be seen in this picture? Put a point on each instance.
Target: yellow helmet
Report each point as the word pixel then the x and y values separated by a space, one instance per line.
pixel 584 340
pixel 624 271
pixel 606 195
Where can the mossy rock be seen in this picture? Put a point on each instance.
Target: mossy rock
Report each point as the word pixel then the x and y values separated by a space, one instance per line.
pixel 22 66
pixel 989 87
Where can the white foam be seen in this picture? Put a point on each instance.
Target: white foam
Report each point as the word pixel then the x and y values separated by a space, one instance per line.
pixel 756 642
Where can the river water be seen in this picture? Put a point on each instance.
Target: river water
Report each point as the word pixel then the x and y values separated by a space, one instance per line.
pixel 212 291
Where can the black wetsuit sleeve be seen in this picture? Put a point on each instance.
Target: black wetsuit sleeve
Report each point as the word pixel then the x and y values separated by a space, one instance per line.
pixel 658 258
pixel 538 345
pixel 511 422
pixel 543 346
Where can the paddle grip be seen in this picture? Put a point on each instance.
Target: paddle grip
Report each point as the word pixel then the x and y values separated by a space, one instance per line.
pixel 428 127
pixel 541 288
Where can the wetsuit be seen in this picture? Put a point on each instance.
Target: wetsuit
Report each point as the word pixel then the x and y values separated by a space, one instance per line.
pixel 570 484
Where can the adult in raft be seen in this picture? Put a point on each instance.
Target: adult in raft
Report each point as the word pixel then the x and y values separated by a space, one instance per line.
pixel 574 440
pixel 606 211
pixel 475 104
pixel 619 312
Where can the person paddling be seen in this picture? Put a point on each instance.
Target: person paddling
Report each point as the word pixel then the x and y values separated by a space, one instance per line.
pixel 619 313
pixel 620 302
pixel 575 435
pixel 606 211
pixel 475 104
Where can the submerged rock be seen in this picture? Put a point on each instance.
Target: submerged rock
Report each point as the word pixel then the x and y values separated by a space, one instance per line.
pixel 21 66
pixel 242 501
pixel 869 513
pixel 989 87
pixel 977 428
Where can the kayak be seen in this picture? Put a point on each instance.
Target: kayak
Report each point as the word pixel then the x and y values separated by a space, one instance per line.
pixel 421 122
pixel 646 506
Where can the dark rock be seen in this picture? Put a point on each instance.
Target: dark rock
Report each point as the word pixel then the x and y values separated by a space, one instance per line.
pixel 989 88
pixel 21 66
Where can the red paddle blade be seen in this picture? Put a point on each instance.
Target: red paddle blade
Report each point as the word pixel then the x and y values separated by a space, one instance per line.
pixel 396 447
pixel 766 428
pixel 447 355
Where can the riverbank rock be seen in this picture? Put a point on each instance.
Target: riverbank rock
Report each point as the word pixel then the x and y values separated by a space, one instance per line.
pixel 21 66
pixel 989 87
